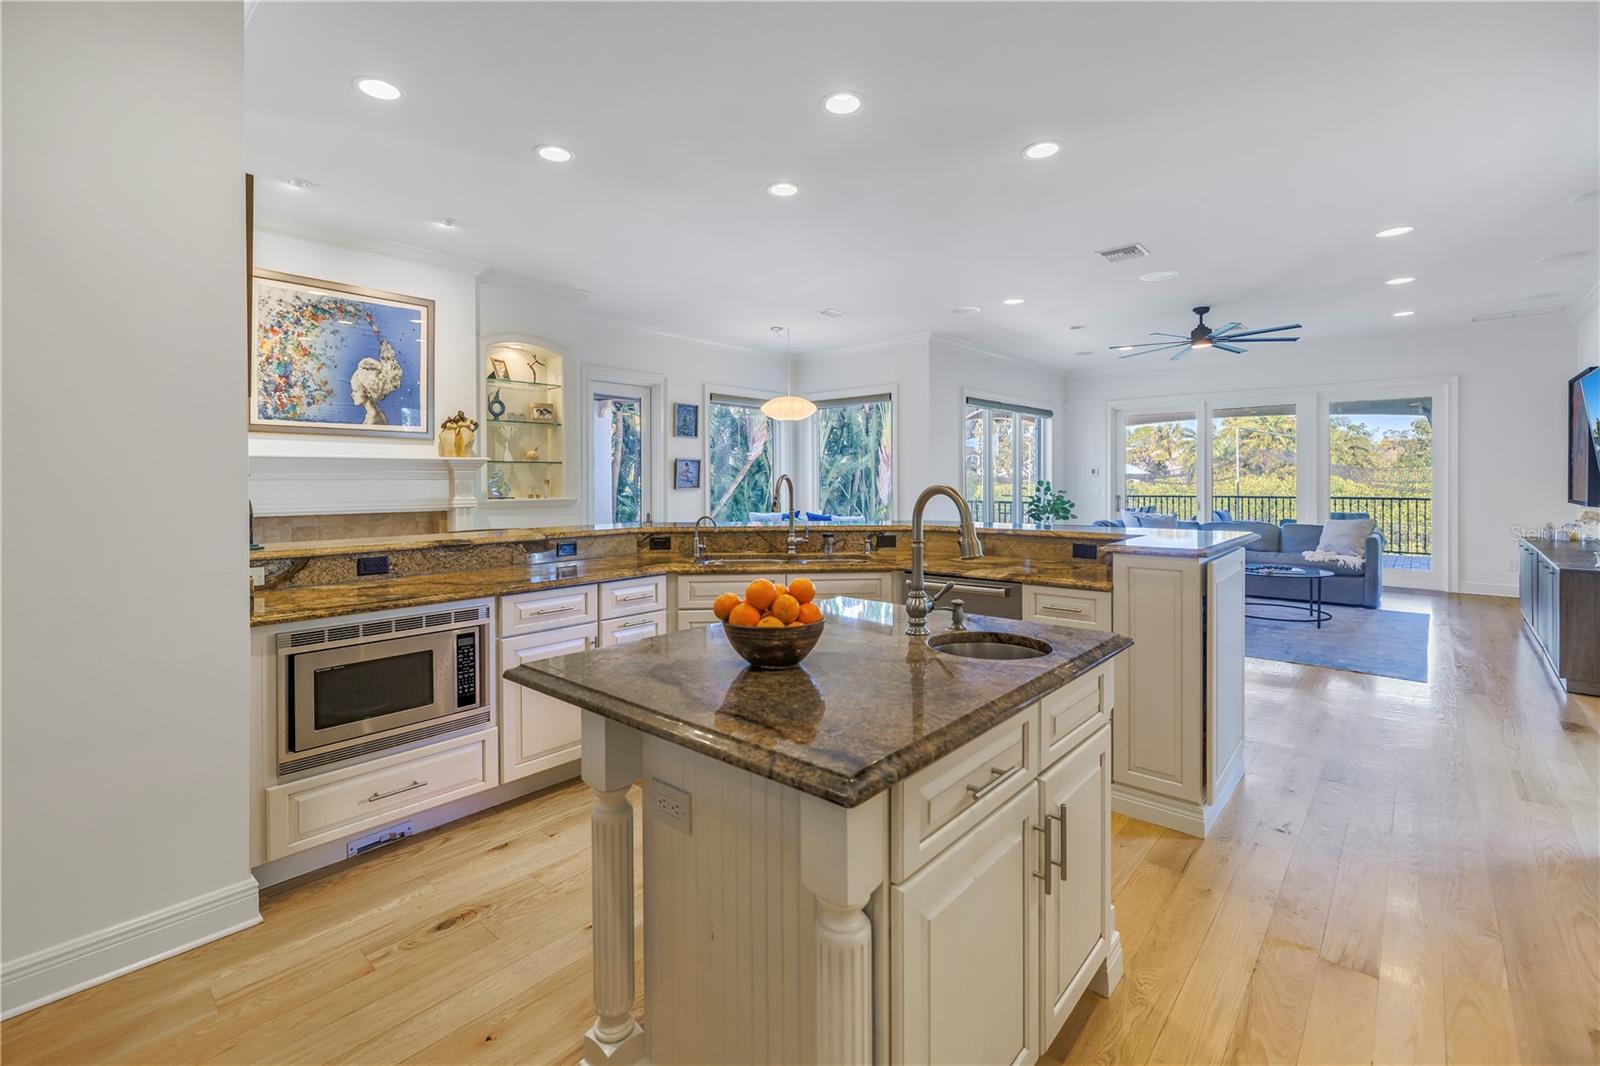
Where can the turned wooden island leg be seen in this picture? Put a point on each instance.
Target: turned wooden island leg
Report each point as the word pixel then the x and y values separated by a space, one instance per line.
pixel 843 853
pixel 611 764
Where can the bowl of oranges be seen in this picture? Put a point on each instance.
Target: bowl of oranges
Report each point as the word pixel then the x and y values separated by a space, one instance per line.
pixel 771 626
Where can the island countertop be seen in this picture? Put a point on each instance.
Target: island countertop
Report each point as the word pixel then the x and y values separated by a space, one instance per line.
pixel 867 707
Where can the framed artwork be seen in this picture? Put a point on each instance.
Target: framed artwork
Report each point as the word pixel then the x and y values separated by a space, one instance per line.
pixel 331 358
pixel 685 420
pixel 686 473
pixel 498 369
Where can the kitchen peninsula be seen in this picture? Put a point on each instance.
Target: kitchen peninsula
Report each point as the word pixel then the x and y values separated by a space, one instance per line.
pixel 892 853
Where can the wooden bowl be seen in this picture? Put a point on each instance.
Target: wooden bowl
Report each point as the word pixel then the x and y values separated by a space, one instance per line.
pixel 773 648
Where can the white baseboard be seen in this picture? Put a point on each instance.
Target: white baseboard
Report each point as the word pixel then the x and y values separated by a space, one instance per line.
pixel 54 972
pixel 1483 588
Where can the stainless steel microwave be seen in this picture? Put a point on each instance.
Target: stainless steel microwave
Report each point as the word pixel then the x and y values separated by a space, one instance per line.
pixel 349 689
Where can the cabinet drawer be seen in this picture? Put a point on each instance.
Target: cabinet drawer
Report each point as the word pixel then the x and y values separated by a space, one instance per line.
pixel 531 612
pixel 932 808
pixel 538 731
pixel 1083 608
pixel 621 599
pixel 861 586
pixel 326 807
pixel 695 618
pixel 1069 716
pixel 626 630
pixel 702 590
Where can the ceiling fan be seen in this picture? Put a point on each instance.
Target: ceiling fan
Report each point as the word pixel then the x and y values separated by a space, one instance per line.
pixel 1203 336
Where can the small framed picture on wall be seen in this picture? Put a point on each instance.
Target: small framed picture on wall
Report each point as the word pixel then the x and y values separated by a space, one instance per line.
pixel 685 420
pixel 686 473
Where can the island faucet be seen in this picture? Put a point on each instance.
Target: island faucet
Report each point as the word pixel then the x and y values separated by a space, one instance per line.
pixel 700 545
pixel 793 540
pixel 918 603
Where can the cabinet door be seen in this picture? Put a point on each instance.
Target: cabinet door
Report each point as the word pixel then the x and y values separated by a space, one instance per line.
pixel 538 731
pixel 626 630
pixel 1525 582
pixel 1549 599
pixel 861 586
pixel 1075 795
pixel 964 973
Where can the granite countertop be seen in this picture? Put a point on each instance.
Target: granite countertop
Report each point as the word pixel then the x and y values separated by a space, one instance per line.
pixel 1568 554
pixel 1191 543
pixel 868 707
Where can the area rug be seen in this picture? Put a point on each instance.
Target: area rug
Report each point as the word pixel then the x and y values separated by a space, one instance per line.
pixel 1386 643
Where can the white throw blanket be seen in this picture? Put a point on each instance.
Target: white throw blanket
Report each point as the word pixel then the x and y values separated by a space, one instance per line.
pixel 1316 556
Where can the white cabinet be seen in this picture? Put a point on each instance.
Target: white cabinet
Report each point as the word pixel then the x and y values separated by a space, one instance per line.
pixel 697 592
pixel 861 586
pixel 622 599
pixel 695 618
pixel 1084 608
pixel 538 731
pixel 1075 800
pixel 628 629
pixel 702 590
pixel 533 612
pixel 964 974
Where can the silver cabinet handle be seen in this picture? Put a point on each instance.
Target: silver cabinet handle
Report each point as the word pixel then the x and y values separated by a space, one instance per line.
pixel 996 776
pixel 1045 859
pixel 376 796
pixel 645 595
pixel 554 610
pixel 1061 610
pixel 1061 817
pixel 636 625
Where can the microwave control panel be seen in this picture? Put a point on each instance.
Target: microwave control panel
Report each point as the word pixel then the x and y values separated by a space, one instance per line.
pixel 466 668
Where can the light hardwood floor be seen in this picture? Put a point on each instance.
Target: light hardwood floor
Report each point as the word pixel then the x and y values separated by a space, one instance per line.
pixel 1408 874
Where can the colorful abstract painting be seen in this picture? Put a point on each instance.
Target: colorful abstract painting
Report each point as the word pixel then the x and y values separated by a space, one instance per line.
pixel 330 358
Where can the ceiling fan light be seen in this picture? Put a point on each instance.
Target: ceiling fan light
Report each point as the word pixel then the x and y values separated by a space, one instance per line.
pixel 1200 342
pixel 789 408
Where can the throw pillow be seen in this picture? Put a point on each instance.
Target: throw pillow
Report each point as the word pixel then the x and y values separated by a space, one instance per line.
pixel 1132 519
pixel 1346 536
pixel 1160 521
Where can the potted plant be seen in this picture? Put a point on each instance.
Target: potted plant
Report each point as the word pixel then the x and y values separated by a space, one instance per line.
pixel 1047 506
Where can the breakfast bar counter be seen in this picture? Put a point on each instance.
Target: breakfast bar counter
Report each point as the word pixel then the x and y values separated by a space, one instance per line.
pixel 811 835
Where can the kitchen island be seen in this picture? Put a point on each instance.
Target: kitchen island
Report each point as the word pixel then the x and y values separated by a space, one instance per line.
pixel 892 853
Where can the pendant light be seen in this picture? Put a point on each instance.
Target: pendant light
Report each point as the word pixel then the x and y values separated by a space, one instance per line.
pixel 788 408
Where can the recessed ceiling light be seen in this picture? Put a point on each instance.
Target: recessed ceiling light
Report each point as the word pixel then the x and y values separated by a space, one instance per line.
pixel 297 183
pixel 782 188
pixel 965 310
pixel 1565 257
pixel 1404 314
pixel 378 89
pixel 1400 281
pixel 1159 275
pixel 446 223
pixel 1041 150
pixel 832 312
pixel 1395 231
pixel 1082 353
pixel 1012 301
pixel 554 153
pixel 1586 197
pixel 1079 326
pixel 841 103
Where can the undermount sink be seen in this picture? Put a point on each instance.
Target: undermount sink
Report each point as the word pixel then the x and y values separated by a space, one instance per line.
pixel 768 562
pixel 989 645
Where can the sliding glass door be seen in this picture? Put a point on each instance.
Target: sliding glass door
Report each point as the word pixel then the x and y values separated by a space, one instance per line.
pixel 1382 465
pixel 1254 464
pixel 1005 453
pixel 1159 471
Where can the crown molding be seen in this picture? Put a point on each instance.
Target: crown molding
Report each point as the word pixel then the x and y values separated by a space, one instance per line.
pixel 978 349
pixel 512 279
pixel 358 242
pixel 923 337
pixel 1590 300
pixel 656 331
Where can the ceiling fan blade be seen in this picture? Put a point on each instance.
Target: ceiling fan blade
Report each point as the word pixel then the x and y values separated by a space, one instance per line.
pixel 1227 347
pixel 1150 351
pixel 1180 353
pixel 1179 336
pixel 1224 329
pixel 1269 329
pixel 1254 340
pixel 1150 344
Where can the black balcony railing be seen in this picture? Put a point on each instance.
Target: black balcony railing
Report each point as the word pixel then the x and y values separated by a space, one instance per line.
pixel 998 513
pixel 1406 522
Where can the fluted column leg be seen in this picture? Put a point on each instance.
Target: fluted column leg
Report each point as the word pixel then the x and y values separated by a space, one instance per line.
pixel 844 985
pixel 611 764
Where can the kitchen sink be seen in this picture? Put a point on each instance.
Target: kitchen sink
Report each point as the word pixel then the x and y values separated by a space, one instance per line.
pixel 989 645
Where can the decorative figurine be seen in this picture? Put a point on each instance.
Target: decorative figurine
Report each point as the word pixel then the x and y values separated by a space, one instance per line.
pixel 497 406
pixel 531 455
pixel 499 489
pixel 455 434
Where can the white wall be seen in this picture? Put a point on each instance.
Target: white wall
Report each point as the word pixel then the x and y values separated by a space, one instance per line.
pixel 126 654
pixel 1588 329
pixel 1511 465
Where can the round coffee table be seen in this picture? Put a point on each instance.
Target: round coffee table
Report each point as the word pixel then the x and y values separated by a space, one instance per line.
pixel 1311 575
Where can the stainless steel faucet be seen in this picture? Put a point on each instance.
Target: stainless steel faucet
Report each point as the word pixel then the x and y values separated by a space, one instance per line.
pixel 700 545
pixel 794 540
pixel 918 603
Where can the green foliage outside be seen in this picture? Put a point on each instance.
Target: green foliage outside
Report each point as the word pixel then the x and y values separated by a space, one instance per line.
pixel 997 443
pixel 855 461
pixel 740 450
pixel 626 470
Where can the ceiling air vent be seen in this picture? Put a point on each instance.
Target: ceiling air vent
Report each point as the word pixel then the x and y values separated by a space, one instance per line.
pixel 832 312
pixel 1529 312
pixel 1127 251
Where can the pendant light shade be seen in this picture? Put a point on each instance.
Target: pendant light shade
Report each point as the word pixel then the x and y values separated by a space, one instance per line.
pixel 790 408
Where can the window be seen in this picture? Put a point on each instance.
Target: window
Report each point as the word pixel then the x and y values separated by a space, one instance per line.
pixel 1380 465
pixel 1159 469
pixel 741 454
pixel 1005 451
pixel 1253 463
pixel 618 452
pixel 855 458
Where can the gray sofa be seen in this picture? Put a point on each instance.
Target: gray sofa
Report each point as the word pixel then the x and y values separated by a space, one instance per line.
pixel 1360 586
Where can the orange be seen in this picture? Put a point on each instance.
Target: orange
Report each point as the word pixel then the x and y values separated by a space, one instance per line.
pixel 793 625
pixel 802 589
pixel 810 614
pixel 783 590
pixel 769 622
pixel 786 608
pixel 725 605
pixel 760 593
pixel 744 615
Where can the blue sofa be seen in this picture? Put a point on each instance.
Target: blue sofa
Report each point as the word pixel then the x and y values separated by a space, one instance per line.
pixel 1351 586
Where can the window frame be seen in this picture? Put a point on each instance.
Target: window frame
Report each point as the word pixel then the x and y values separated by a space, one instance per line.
pixel 810 450
pixel 734 395
pixel 990 402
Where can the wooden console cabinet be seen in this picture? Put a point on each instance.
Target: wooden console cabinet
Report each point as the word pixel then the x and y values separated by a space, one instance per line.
pixel 1558 588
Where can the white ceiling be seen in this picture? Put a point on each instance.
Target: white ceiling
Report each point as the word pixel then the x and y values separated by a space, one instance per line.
pixel 1253 147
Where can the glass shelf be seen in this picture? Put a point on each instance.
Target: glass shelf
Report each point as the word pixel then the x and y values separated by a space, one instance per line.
pixel 525 462
pixel 521 422
pixel 512 383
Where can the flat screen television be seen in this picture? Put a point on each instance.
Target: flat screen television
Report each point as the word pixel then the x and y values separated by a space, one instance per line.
pixel 1583 445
